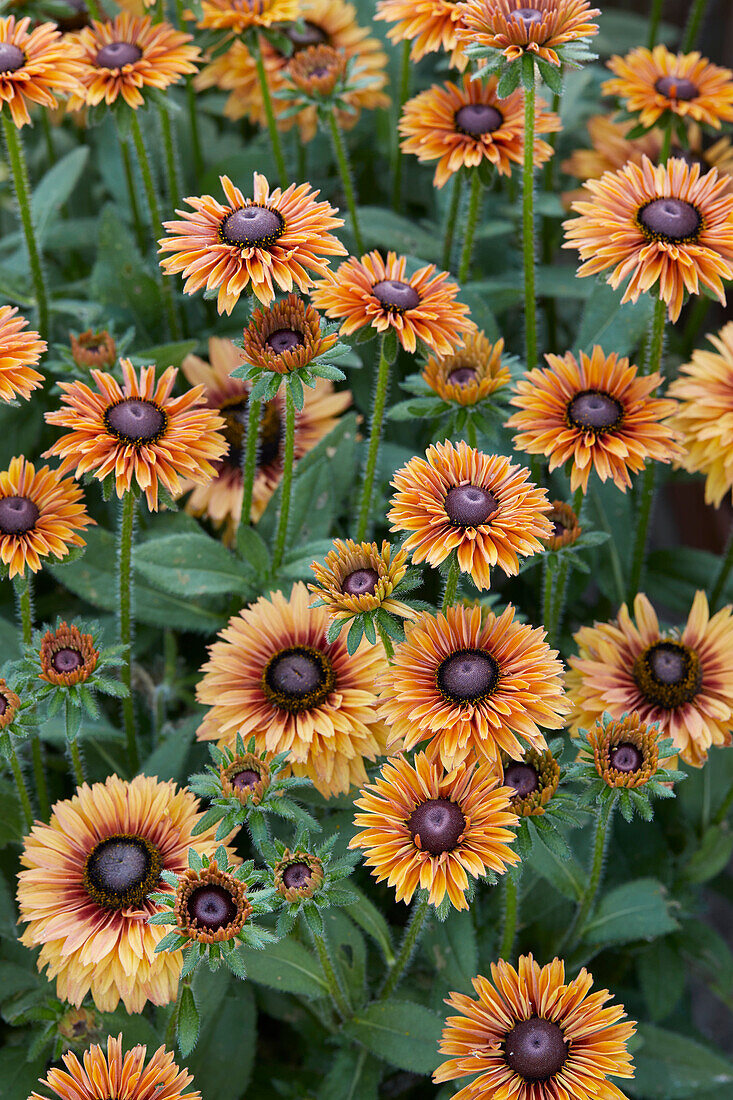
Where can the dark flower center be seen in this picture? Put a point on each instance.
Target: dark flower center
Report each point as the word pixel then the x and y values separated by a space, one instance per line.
pixel 396 295
pixel 468 676
pixel 135 420
pixel 298 679
pixel 296 875
pixel 116 54
pixel 527 16
pixel 668 674
pixel 18 515
pixel 318 72
pixel 284 339
pixel 670 219
pixel 304 34
pixel 478 118
pixel 121 871
pixel 559 524
pixel 252 227
pixel 676 87
pixel 469 505
pixel 626 758
pixel 67 660
pixel 245 779
pixel 212 907
pixel 463 376
pixel 3 705
pixel 523 778
pixel 11 58
pixel 536 1049
pixel 439 823
pixel 595 411
pixel 361 582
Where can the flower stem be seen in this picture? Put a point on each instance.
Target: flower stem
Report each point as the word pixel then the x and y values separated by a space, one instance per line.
pixel 193 118
pixel 386 642
pixel 407 948
pixel 474 207
pixel 404 91
pixel 722 811
pixel 132 195
pixel 654 21
pixel 125 591
pixel 270 115
pixel 8 751
pixel 19 170
pixel 511 914
pixel 451 220
pixel 171 164
pixel 451 584
pixel 561 583
pixel 656 341
pixel 334 988
pixel 528 242
pixel 249 466
pixel 73 725
pixel 93 9
pixel 287 481
pixel 695 18
pixel 726 562
pixel 375 436
pixel 347 179
pixel 24 595
pixel 548 591
pixel 603 832
pixel 147 174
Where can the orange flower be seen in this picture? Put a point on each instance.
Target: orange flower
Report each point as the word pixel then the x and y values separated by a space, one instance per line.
pixel 297 875
pixel 277 238
pixel 221 498
pixel 596 414
pixel 469 682
pixel 375 292
pixel 241 15
pixel 705 414
pixel 67 656
pixel 34 66
pixel 19 354
pixel 84 895
pixel 533 781
pixel 651 83
pixel 681 681
pixel 625 753
pixel 479 505
pixel 127 54
pixel 514 28
pixel 666 225
pixel 285 336
pixel 125 1078
pixel 359 577
pixel 138 432
pixel 41 515
pixel 93 349
pixel 9 705
pixel 274 676
pixel 317 70
pixel 423 827
pixel 211 905
pixel 462 125
pixel 431 26
pixel 565 527
pixel 470 374
pixel 532 1036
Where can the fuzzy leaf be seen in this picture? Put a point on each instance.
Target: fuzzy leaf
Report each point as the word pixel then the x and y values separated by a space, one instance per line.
pixel 638 910
pixel 188 1022
pixel 399 1032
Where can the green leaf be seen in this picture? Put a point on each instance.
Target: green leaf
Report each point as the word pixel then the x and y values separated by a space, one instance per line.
pixel 661 978
pixel 286 966
pixel 235 962
pixel 168 760
pixel 253 549
pixel 168 355
pixel 566 875
pixel 385 229
pixel 638 910
pixel 368 917
pixel 509 81
pixel 188 1022
pixel 229 1030
pixel 399 1032
pixel 552 76
pixel 351 1077
pixel 605 321
pixel 672 1067
pixel 712 856
pixel 452 949
pixel 55 188
pixel 120 279
pixel 191 563
pixel 18 1075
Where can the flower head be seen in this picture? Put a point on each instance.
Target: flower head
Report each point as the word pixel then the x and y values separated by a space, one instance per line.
pixel 285 337
pixel 533 1036
pixel 243 15
pixel 297 875
pixel 41 516
pixel 656 84
pixel 462 125
pixel 211 905
pixel 543 29
pixel 246 778
pixel 470 374
pixel 668 226
pixel 9 705
pixel 565 526
pixel 128 54
pixel 431 26
pixel 274 240
pixel 19 352
pixel 680 680
pixel 596 413
pixel 375 292
pixel 481 506
pixel 533 781
pixel 359 577
pixel 124 1077
pixel 472 682
pixel 138 432
pixel 93 349
pixel 704 389
pixel 273 675
pixel 317 71
pixel 67 656
pixel 427 828
pixel 35 65
pixel 84 892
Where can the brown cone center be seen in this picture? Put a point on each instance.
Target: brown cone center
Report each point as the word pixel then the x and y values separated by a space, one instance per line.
pixel 394 294
pixel 119 865
pixel 284 339
pixel 361 582
pixel 670 218
pixel 468 676
pixel 17 515
pixel 527 16
pixel 297 875
pixel 469 505
pixel 594 410
pixel 67 660
pixel 462 376
pixel 478 118
pixel 295 674
pixel 522 778
pixel 676 87
pixel 536 1049
pixel 116 54
pixel 439 823
pixel 252 227
pixel 667 664
pixel 245 779
pixel 3 705
pixel 626 758
pixel 212 907
pixel 11 58
pixel 135 420
pixel 304 35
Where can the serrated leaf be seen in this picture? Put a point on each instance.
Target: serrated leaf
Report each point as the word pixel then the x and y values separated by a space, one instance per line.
pixel 188 1022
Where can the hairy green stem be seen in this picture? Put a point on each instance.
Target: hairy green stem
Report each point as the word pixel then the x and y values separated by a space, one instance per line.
pixel 548 591
pixel 474 208
pixel 347 179
pixel 132 195
pixel 654 21
pixel 73 726
pixel 407 948
pixel 724 568
pixel 451 219
pixel 249 466
pixel 19 171
pixel 375 436
pixel 404 91
pixel 638 553
pixel 511 915
pixel 528 227
pixel 125 592
pixel 561 583
pixel 334 986
pixel 193 117
pixel 386 642
pixel 275 141
pixel 8 751
pixel 24 593
pixel 286 486
pixel 451 584
pixel 692 29
pixel 602 833
pixel 93 8
pixel 173 179
pixel 722 812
